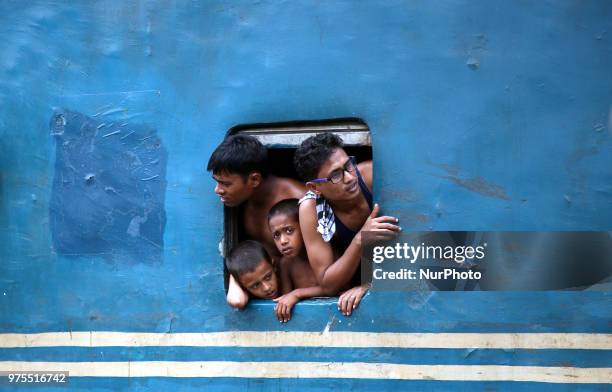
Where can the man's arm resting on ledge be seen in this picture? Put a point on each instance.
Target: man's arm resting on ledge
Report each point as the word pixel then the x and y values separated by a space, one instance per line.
pixel 331 276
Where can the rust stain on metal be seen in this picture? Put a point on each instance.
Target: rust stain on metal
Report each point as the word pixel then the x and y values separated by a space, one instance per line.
pixel 474 184
pixel 480 186
pixel 415 218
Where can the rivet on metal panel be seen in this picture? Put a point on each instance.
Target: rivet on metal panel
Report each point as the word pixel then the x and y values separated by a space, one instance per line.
pixel 59 122
pixel 89 178
pixel 473 63
pixel 221 247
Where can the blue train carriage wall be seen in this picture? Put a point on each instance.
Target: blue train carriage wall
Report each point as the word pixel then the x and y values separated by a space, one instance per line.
pixel 480 116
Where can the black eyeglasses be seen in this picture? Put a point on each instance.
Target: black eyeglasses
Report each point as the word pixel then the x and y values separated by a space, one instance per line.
pixel 338 175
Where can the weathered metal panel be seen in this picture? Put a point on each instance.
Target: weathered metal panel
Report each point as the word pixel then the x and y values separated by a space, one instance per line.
pixel 485 115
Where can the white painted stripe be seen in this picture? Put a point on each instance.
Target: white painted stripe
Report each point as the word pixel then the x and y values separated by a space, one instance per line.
pixel 356 370
pixel 589 341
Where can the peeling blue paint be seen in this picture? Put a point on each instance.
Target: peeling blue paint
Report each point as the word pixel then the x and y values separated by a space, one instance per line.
pixel 100 205
pixel 485 115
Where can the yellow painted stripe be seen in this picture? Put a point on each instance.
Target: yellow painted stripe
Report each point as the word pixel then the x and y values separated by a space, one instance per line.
pixel 588 341
pixel 357 370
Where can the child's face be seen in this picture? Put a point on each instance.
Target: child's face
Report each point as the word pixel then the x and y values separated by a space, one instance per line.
pixel 262 282
pixel 286 234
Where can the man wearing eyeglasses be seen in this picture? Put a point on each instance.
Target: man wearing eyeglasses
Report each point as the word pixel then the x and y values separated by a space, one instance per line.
pixel 336 210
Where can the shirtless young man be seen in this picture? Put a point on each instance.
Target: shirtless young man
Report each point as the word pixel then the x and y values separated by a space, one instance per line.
pixel 333 178
pixel 239 167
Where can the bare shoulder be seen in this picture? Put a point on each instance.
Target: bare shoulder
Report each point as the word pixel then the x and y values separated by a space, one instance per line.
pixel 307 208
pixel 308 215
pixel 290 188
pixel 365 168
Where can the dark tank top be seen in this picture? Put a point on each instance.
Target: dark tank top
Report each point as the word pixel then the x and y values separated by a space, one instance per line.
pixel 343 235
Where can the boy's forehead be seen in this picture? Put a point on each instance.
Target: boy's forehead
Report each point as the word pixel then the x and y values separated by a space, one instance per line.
pixel 335 161
pixel 262 267
pixel 225 175
pixel 229 175
pixel 282 218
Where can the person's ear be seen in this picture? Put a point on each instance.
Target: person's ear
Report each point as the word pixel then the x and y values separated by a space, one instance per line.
pixel 254 179
pixel 312 186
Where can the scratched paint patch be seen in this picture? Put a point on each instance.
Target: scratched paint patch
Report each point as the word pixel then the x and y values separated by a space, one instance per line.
pixel 109 189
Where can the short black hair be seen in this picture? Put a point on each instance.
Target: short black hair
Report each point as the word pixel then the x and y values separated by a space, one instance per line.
pixel 285 207
pixel 239 154
pixel 313 152
pixel 245 257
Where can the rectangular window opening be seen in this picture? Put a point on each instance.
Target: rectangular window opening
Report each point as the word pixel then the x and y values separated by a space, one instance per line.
pixel 282 139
